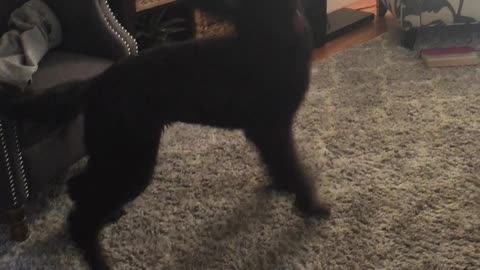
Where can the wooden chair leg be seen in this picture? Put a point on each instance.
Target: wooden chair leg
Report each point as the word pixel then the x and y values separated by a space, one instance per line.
pixel 17 221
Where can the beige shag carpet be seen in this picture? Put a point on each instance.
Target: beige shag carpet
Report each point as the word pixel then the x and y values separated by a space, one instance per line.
pixel 394 146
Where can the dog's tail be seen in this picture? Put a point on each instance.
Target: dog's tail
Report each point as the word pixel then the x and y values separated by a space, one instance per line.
pixel 58 104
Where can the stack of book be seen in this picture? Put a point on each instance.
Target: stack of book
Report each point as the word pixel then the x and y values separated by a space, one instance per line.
pixel 447 57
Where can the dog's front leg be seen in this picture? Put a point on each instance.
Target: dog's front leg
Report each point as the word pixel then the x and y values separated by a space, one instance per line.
pixel 276 147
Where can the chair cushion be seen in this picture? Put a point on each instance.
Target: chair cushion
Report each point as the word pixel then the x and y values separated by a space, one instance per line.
pixel 55 68
pixel 59 67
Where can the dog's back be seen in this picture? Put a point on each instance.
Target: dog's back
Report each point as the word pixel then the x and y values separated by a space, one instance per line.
pixel 262 70
pixel 268 59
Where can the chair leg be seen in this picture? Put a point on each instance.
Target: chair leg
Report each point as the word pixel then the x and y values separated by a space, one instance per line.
pixel 17 222
pixel 381 8
pixel 409 39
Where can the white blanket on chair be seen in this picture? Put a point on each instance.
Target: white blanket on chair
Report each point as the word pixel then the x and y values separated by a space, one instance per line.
pixel 34 30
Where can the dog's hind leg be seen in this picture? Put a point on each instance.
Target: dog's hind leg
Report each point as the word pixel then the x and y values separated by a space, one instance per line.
pixel 275 145
pixel 114 177
pixel 84 220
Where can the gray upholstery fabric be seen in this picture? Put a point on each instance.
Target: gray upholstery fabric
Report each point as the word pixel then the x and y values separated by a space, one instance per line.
pixel 33 154
pixel 86 32
pixel 60 66
pixel 62 144
pixel 34 31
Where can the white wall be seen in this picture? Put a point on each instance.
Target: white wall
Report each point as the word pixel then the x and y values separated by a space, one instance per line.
pixel 336 4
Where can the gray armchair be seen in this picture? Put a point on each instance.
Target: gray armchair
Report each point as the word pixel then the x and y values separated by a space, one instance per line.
pixel 31 154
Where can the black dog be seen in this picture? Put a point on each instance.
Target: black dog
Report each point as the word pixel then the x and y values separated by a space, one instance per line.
pixel 254 80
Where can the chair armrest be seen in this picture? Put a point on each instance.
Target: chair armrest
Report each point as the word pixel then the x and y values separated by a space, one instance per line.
pixel 90 27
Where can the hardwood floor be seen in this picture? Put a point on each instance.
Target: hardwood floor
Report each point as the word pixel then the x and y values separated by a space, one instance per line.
pixel 359 35
pixel 353 38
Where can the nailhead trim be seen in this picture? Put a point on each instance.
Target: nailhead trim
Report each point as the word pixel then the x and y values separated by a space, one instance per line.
pixel 116 33
pixel 123 28
pixel 22 167
pixel 7 163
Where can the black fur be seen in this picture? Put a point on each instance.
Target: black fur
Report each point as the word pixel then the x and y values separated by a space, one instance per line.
pixel 254 81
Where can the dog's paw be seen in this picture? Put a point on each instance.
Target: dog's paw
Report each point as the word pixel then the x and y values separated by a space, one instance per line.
pixel 311 206
pixel 280 187
pixel 115 216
